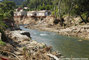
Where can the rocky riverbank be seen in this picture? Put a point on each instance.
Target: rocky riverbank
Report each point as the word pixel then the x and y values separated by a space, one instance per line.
pixel 53 25
pixel 20 46
pixel 80 31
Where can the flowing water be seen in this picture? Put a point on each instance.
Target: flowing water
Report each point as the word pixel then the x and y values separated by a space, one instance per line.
pixel 68 46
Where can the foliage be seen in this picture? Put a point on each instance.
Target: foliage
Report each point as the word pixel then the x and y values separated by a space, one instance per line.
pixel 39 4
pixel 49 5
pixel 8 5
pixel 18 2
pixel 2 25
pixel 81 8
pixel 2 43
pixel 6 11
pixel 61 7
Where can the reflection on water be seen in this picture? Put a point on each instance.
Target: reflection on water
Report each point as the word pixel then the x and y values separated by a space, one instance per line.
pixel 68 46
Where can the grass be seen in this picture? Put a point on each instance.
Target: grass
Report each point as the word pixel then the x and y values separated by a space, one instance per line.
pixel 2 43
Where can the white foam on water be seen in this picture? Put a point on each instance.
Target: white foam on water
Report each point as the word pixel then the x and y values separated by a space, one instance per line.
pixel 43 34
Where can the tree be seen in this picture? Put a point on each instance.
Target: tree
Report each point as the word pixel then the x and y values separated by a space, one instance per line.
pixel 8 5
pixel 62 7
pixel 81 8
pixel 2 25
pixel 6 11
pixel 39 4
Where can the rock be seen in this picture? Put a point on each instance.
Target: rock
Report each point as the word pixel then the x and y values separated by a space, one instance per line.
pixel 26 33
pixel 18 36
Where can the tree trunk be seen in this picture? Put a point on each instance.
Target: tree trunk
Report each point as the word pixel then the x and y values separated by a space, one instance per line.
pixel 82 19
pixel 59 9
pixel 54 9
pixel 70 8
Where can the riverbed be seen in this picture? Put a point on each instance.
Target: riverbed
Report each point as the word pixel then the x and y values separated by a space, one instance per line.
pixel 68 46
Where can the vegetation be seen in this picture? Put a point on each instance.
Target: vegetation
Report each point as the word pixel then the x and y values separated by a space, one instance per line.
pixel 81 8
pixel 18 2
pixel 39 4
pixel 2 43
pixel 6 11
pixel 61 7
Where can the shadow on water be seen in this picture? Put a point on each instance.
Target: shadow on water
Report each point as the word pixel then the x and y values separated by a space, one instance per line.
pixel 68 46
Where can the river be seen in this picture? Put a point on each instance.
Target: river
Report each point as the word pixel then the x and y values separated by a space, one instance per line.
pixel 68 46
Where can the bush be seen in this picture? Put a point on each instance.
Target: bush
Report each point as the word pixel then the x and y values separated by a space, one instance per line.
pixel 2 25
pixel 7 15
pixel 2 43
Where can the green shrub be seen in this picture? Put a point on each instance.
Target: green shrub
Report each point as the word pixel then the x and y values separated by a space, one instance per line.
pixel 2 43
pixel 7 15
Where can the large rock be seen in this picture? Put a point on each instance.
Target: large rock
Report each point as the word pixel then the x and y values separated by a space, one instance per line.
pixel 18 36
pixel 26 33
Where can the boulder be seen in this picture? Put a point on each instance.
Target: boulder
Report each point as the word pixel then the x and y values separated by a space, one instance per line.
pixel 26 33
pixel 18 36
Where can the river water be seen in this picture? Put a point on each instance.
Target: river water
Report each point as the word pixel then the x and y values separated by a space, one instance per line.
pixel 68 46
